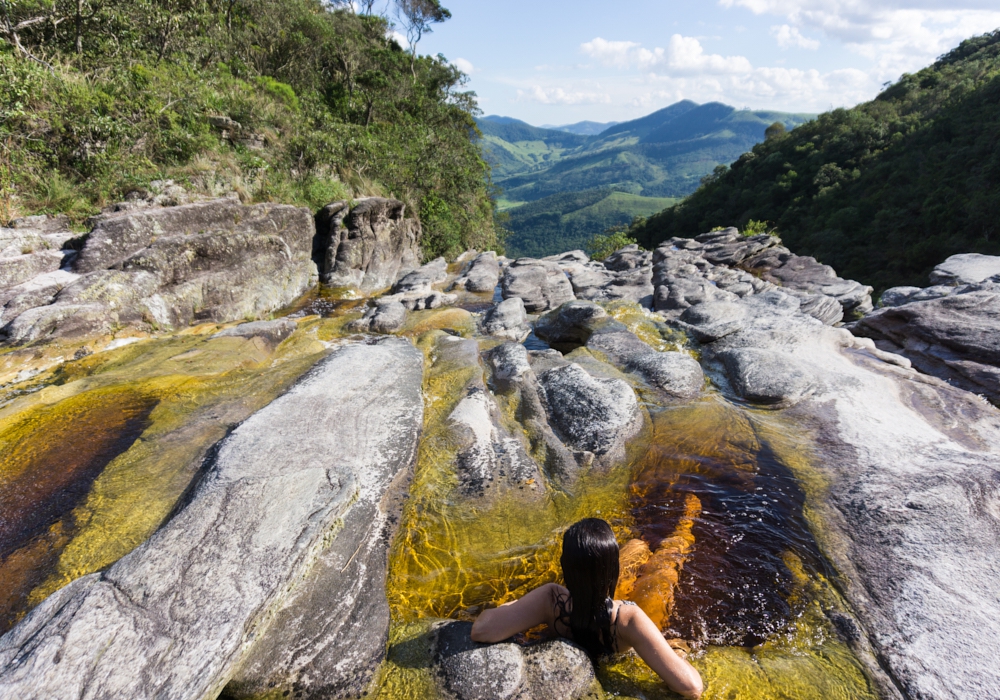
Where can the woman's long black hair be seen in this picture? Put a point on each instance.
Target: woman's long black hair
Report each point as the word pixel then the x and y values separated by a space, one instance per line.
pixel 590 569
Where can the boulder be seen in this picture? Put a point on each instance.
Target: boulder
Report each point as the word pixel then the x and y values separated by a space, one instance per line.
pixel 676 373
pixel 712 320
pixel 248 578
pixel 966 268
pixel 507 319
pixel 541 285
pixel 591 414
pixel 571 324
pixel 766 376
pixel 117 236
pixel 482 275
pixel 802 273
pixel 489 458
pixel 247 262
pixel 629 258
pixel 423 278
pixel 513 376
pixel 387 315
pixel 368 246
pixel 271 332
pixel 553 670
pixel 729 247
pixel 21 268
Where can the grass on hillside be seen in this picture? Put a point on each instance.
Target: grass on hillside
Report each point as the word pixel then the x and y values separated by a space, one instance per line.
pixel 321 104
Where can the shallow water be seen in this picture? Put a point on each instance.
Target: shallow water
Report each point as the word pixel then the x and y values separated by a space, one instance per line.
pixel 708 503
pixel 100 449
pixel 708 500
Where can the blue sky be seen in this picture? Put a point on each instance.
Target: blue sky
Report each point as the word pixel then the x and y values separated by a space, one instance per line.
pixel 560 62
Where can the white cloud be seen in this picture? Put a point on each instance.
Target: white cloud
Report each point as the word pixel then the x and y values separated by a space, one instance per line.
pixel 558 96
pixel 682 54
pixel 895 37
pixel 400 39
pixel 790 37
pixel 464 66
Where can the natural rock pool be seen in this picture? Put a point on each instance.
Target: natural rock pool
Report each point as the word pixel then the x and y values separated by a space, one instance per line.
pixel 101 449
pixel 318 505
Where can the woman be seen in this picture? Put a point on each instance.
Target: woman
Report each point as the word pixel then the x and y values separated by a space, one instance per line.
pixel 584 611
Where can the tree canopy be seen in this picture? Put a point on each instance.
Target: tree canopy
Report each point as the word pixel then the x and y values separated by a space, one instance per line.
pixel 99 97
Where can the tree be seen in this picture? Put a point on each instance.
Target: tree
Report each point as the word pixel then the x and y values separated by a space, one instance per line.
pixel 419 15
pixel 774 131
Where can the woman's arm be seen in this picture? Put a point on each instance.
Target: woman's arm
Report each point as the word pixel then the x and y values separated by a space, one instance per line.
pixel 536 608
pixel 638 631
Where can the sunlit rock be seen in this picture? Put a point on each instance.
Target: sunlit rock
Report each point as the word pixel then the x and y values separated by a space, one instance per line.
pixel 508 319
pixel 966 268
pixel 482 275
pixel 554 670
pixel 591 414
pixel 385 315
pixel 541 285
pixel 249 547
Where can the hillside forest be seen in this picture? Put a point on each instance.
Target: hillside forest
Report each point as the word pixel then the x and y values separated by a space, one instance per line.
pixel 296 101
pixel 883 191
pixel 559 186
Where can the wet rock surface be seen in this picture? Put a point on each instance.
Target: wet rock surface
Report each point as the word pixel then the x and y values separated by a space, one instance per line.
pixel 950 332
pixel 180 613
pixel 368 246
pixel 272 332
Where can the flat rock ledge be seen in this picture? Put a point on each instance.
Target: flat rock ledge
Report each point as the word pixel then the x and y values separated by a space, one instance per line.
pixel 251 560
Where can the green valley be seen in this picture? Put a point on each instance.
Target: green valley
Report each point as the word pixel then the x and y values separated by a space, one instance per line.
pixel 560 188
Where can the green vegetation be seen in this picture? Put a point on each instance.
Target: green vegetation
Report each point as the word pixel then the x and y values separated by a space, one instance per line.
pixel 280 100
pixel 562 182
pixel 664 154
pixel 568 221
pixel 604 244
pixel 883 191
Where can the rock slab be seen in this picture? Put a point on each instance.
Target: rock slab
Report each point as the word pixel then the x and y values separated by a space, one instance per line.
pixel 177 616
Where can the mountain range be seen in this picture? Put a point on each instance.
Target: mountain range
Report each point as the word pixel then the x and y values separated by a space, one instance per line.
pixel 637 167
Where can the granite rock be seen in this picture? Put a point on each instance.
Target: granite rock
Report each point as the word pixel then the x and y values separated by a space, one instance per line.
pixel 368 246
pixel 243 562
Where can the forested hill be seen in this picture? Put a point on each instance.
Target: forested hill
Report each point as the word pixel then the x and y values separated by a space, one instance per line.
pixel 563 188
pixel 284 100
pixel 883 191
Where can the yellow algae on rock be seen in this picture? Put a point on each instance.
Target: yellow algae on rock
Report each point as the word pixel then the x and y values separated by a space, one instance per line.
pixel 446 318
pixel 648 326
pixel 194 387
